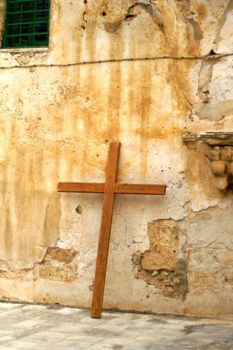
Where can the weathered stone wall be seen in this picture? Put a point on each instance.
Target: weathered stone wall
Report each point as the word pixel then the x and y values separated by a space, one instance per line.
pixel 141 72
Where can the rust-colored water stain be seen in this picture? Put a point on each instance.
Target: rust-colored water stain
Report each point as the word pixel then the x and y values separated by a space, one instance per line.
pixel 164 129
pixel 201 11
pixel 24 197
pixel 181 88
pixel 145 90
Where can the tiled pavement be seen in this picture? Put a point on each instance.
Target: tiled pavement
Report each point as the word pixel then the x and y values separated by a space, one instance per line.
pixel 48 328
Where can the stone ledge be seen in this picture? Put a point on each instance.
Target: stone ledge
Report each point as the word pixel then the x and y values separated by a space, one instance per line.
pixel 211 138
pixel 24 50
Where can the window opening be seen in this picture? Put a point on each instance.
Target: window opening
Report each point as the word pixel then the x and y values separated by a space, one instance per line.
pixel 26 23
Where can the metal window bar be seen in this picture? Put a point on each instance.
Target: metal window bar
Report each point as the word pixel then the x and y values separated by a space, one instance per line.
pixel 26 23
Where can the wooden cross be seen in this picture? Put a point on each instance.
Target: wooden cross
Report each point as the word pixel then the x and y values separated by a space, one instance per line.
pixel 110 188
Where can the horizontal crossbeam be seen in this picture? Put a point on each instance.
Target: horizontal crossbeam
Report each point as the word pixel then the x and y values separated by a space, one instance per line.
pixel 79 187
pixel 140 189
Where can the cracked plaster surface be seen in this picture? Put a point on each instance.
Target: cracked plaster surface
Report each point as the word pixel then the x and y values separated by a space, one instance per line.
pixel 157 69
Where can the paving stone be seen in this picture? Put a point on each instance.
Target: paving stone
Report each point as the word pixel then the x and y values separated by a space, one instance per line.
pixel 62 328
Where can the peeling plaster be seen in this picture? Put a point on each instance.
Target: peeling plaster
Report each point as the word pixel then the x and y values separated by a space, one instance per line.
pixel 143 80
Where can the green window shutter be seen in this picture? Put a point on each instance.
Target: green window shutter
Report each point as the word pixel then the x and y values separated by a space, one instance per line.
pixel 26 23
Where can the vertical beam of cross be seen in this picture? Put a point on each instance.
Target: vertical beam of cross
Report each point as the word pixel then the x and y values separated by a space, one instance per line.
pixel 105 230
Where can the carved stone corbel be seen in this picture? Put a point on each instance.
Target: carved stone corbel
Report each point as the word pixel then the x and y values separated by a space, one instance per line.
pixel 220 155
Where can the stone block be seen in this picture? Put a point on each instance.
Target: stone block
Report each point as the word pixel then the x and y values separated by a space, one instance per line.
pixel 230 168
pixel 22 275
pixel 56 273
pixel 163 235
pixel 229 277
pixel 226 258
pixel 60 255
pixel 221 182
pixel 218 167
pixel 226 153
pixel 214 153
